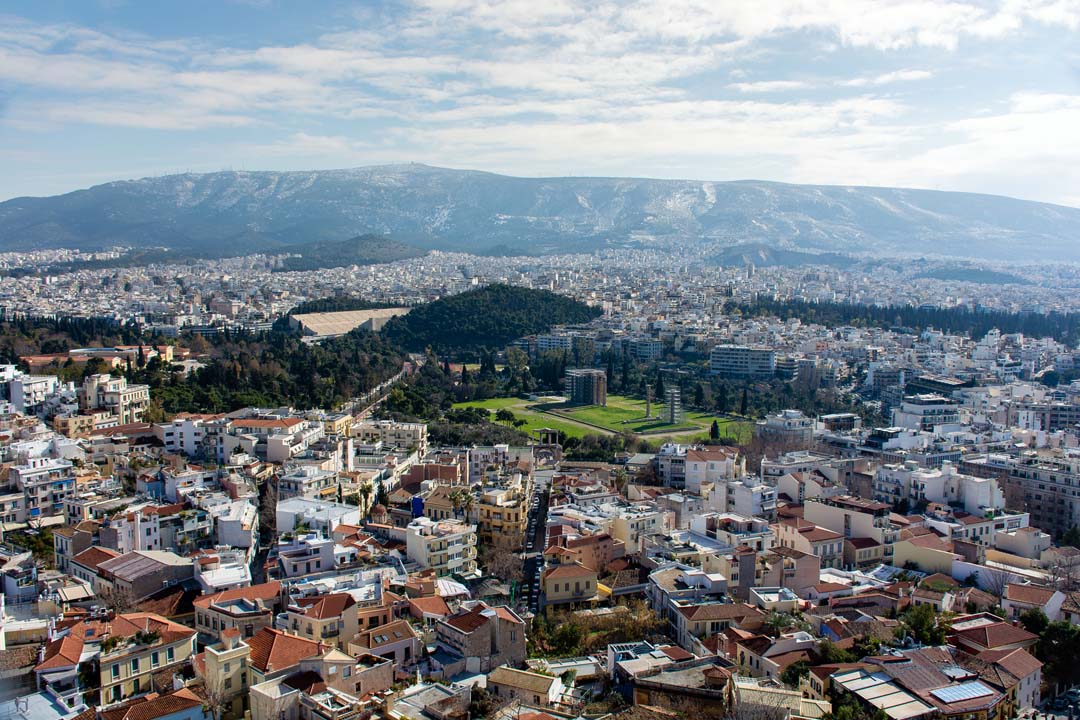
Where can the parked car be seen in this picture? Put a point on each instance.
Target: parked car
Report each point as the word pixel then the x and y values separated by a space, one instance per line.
pixel 1058 704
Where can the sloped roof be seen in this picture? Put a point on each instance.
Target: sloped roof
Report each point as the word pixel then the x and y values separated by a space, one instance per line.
pixel 533 682
pixel 384 635
pixel 264 591
pixel 569 571
pixel 61 653
pixel 273 650
pixel 93 556
pixel 995 635
pixel 1018 662
pixel 324 607
pixel 1029 594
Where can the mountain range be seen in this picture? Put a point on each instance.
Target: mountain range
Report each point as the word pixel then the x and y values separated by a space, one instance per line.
pixel 430 208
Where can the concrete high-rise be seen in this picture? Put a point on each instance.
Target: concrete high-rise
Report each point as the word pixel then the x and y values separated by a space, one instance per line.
pixel 586 387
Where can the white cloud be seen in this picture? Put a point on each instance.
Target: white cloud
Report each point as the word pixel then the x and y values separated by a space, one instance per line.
pixel 888 78
pixel 770 86
pixel 699 87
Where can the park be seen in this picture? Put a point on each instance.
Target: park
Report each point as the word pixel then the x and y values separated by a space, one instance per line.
pixel 622 414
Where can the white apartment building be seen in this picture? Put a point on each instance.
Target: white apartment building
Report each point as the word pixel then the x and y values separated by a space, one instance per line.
pixel 742 362
pixel 445 546
pixel 702 466
pixel 306 554
pixel 278 439
pixel 946 485
pixel 237 524
pixel 185 434
pixel 29 393
pixel 307 481
pixel 854 517
pixel 45 483
pixel 318 515
pixel 633 524
pixel 926 412
pixel 114 395
pixel 399 435
pixel 499 456
pixel 789 427
pixel 733 530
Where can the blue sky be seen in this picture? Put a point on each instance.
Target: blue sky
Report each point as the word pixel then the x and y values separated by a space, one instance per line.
pixel 957 95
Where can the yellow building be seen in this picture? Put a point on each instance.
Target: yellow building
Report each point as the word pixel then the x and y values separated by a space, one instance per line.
pixel 330 619
pixel 225 672
pixel 503 516
pixel 338 424
pixel 569 584
pixel 135 648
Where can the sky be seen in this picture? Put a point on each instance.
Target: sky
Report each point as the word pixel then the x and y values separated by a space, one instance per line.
pixel 971 95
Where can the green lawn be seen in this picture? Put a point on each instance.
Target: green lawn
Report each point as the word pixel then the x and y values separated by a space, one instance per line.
pixel 619 409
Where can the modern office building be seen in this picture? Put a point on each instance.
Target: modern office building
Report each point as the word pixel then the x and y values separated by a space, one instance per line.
pixel 740 362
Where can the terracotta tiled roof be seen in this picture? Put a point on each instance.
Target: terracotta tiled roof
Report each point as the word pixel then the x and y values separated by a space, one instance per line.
pixel 434 605
pixel 308 681
pixel 1018 662
pixel 61 653
pixel 509 615
pixel 995 635
pixel 273 650
pixel 131 623
pixel 94 556
pixel 267 423
pixel 1029 594
pixel 264 591
pixel 720 611
pixel 565 572
pixel 325 607
pixel 469 621
pixel 179 701
pixel 676 653
pixel 384 635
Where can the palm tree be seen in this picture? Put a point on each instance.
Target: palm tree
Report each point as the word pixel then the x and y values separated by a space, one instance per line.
pixel 365 494
pixel 467 503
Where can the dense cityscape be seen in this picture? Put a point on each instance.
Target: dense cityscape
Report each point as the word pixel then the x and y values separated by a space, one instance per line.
pixel 684 502
pixel 472 360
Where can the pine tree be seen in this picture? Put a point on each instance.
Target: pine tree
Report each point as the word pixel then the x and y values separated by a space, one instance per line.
pixel 714 431
pixel 464 374
pixel 699 395
pixel 659 386
pixel 745 400
pixel 610 371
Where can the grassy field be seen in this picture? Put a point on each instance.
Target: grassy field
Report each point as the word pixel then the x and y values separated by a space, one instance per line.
pixel 622 414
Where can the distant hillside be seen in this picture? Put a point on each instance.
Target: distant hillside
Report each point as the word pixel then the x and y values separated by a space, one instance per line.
pixel 489 317
pixel 765 256
pixel 360 250
pixel 434 208
pixel 974 275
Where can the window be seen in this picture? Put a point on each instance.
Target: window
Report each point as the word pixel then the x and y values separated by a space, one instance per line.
pixel 135 665
pixel 116 693
pixel 225 667
pixel 116 670
pixel 135 687
pixel 169 654
pixel 228 683
pixel 346 671
pixel 155 658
